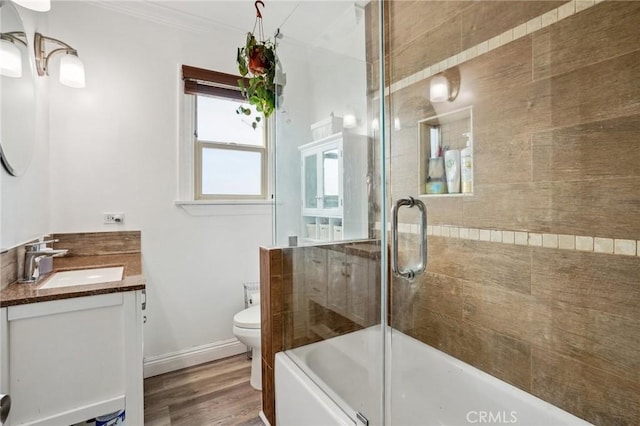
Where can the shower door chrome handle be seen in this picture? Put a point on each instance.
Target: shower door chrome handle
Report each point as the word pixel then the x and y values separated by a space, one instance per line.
pixel 409 273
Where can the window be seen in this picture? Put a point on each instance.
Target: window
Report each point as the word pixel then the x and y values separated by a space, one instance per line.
pixel 230 157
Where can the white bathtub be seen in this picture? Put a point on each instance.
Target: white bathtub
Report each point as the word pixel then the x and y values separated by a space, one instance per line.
pixel 428 387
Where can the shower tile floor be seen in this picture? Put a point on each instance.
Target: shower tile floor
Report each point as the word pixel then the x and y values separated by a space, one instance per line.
pixel 216 393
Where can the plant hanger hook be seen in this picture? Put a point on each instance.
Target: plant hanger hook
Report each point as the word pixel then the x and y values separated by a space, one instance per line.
pixel 258 19
pixel 258 2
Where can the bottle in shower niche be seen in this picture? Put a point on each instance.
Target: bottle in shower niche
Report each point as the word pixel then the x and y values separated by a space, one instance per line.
pixel 452 170
pixel 436 182
pixel 466 170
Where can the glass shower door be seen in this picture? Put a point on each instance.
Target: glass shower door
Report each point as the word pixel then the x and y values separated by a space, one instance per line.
pixel 517 124
pixel 328 204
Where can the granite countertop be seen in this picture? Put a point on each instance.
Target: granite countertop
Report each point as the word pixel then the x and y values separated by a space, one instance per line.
pixel 370 249
pixel 21 294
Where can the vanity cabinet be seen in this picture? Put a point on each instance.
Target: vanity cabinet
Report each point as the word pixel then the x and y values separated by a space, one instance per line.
pixel 337 283
pixel 334 194
pixel 352 286
pixel 315 274
pixel 362 286
pixel 69 360
pixel 341 282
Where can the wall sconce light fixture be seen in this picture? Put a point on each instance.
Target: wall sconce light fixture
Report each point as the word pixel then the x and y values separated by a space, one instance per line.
pixel 10 55
pixel 444 87
pixel 71 67
pixel 37 5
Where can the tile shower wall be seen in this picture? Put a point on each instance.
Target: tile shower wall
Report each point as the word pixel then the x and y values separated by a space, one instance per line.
pixel 556 125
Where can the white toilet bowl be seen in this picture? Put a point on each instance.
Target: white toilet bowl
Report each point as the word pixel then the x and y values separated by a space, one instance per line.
pixel 246 328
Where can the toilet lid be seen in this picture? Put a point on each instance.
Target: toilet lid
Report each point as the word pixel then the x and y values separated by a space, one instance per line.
pixel 249 318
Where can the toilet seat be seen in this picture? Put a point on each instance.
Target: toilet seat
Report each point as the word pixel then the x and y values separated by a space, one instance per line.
pixel 249 318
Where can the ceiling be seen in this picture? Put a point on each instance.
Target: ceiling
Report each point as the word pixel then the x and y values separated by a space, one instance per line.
pixel 307 21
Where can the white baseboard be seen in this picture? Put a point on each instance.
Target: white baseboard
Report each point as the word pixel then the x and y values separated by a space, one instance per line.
pixel 264 418
pixel 160 364
pixel 80 414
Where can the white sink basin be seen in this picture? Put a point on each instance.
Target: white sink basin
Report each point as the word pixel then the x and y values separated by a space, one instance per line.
pixel 84 277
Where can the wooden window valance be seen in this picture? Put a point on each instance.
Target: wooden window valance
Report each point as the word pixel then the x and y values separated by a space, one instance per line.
pixel 214 83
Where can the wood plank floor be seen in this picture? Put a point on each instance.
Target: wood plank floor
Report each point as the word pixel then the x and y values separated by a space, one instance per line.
pixel 216 393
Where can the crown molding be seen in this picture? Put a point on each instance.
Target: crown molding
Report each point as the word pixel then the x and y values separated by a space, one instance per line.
pixel 164 15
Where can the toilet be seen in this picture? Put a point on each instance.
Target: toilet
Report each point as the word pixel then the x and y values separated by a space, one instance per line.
pixel 246 328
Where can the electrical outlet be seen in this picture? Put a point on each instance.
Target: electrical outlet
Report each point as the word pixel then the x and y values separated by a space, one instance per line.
pixel 113 218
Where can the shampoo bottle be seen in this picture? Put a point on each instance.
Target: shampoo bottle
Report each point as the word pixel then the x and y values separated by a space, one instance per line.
pixel 466 172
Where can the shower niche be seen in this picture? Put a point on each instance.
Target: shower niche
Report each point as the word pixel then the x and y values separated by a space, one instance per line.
pixel 451 131
pixel 334 205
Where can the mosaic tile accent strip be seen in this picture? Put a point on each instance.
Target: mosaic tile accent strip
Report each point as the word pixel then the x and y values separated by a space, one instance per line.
pixel 535 239
pixel 615 246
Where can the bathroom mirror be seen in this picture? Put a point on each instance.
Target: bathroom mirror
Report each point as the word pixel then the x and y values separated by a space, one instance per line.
pixel 330 179
pixel 17 111
pixel 311 181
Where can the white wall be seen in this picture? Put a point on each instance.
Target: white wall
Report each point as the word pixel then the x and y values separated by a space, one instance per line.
pixel 320 81
pixel 24 208
pixel 114 148
pixel 338 82
pixel 292 130
pixel 339 71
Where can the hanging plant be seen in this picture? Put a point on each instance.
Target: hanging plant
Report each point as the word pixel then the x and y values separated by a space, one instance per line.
pixel 257 65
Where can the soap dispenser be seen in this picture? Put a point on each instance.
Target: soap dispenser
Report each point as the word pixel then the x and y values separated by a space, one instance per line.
pixel 466 170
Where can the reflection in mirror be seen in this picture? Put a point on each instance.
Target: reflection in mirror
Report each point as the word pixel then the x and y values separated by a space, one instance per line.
pixel 311 182
pixel 330 179
pixel 10 55
pixel 17 130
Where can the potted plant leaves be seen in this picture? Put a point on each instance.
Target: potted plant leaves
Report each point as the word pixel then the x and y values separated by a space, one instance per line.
pixel 257 65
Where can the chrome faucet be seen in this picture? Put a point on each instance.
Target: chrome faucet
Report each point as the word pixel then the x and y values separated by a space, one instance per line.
pixel 32 257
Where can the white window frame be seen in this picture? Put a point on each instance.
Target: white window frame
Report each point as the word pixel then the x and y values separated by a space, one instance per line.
pixel 187 160
pixel 201 145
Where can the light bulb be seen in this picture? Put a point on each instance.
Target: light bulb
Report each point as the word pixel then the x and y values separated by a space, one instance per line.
pixel 37 5
pixel 10 59
pixel 72 71
pixel 349 121
pixel 439 89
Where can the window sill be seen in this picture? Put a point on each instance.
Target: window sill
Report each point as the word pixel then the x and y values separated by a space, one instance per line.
pixel 222 202
pixel 226 207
